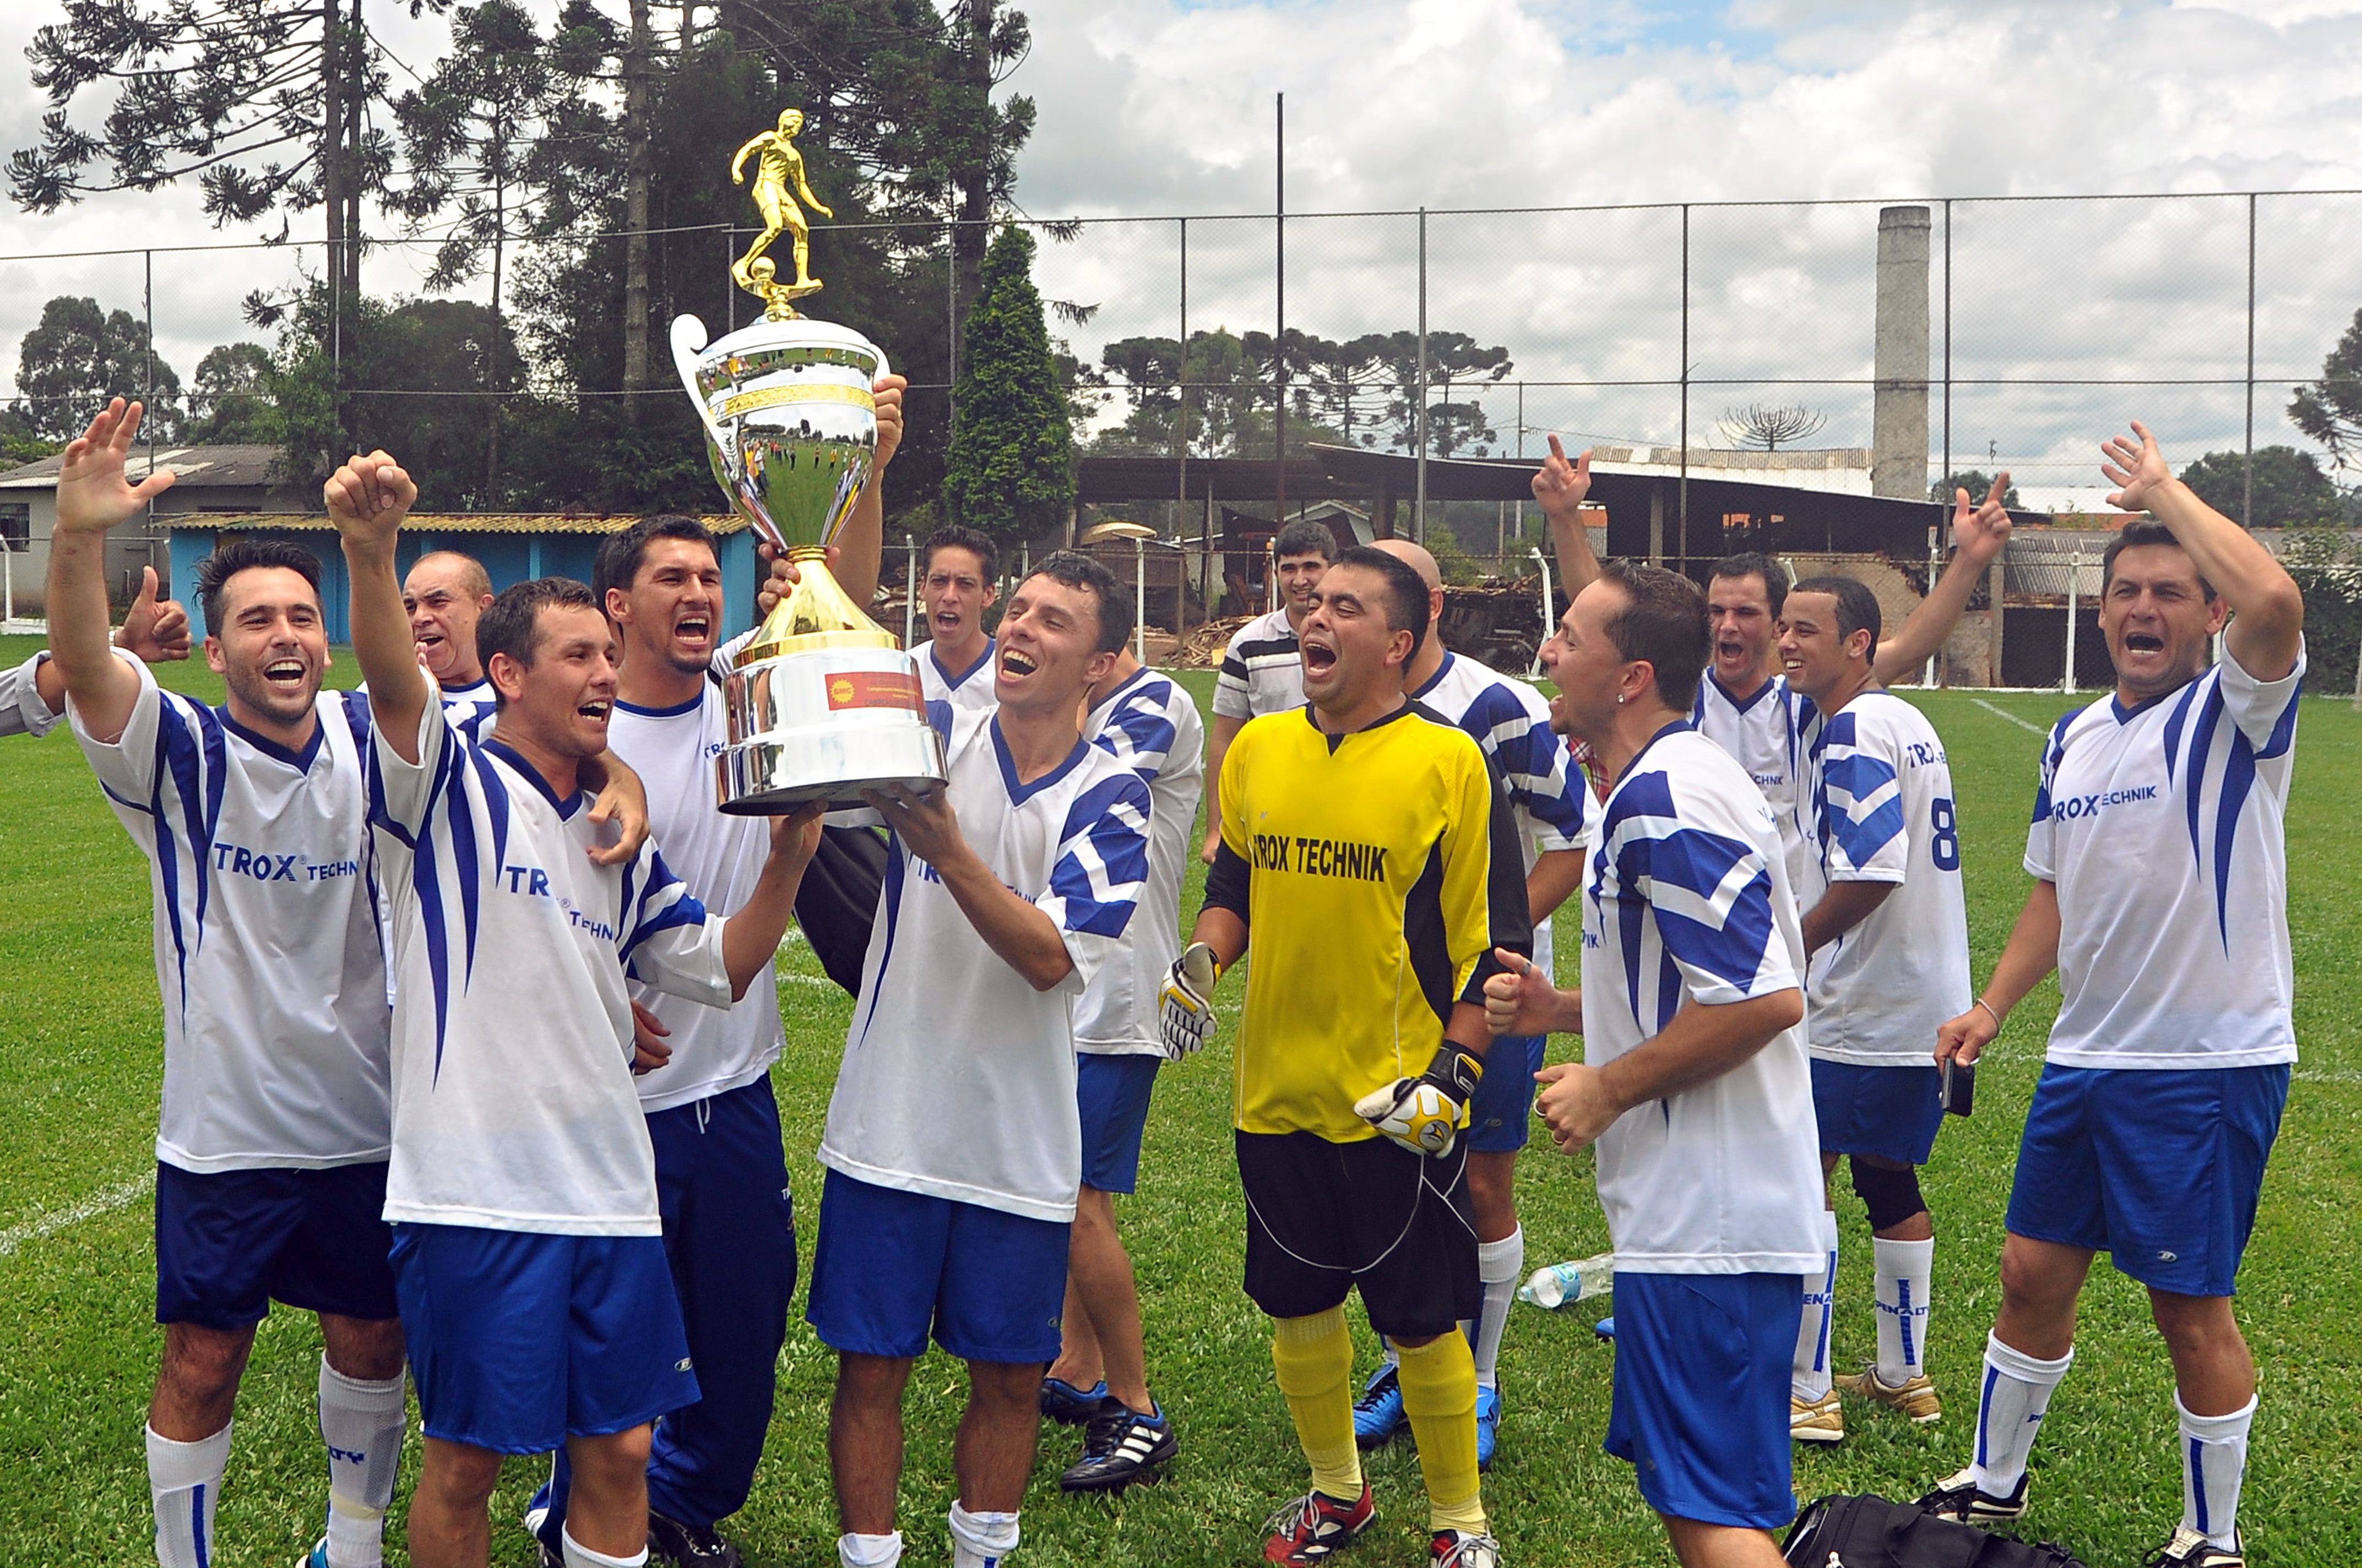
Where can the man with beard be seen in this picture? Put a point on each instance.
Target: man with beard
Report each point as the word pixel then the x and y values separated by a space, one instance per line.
pixel 2160 860
pixel 1369 861
pixel 1261 672
pixel 1694 1086
pixel 952 1147
pixel 528 1243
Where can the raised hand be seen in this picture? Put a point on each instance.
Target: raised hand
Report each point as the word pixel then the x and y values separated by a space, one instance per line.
pixel 155 629
pixel 2135 465
pixel 1561 486
pixel 368 498
pixel 92 494
pixel 1979 530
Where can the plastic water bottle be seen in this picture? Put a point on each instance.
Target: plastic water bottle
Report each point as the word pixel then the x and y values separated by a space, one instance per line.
pixel 1555 1287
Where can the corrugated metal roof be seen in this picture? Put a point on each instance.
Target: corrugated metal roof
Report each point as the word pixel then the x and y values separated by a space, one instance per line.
pixel 194 464
pixel 437 522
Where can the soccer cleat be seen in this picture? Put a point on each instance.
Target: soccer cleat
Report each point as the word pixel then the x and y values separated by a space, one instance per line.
pixel 670 1540
pixel 1315 1525
pixel 1914 1397
pixel 1488 1425
pixel 1955 1498
pixel 1605 1328
pixel 1378 1417
pixel 1816 1420
pixel 2188 1548
pixel 536 1520
pixel 1070 1405
pixel 1121 1447
pixel 1458 1549
pixel 318 1556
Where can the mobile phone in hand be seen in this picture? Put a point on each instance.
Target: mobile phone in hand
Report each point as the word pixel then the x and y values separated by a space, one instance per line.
pixel 1958 1090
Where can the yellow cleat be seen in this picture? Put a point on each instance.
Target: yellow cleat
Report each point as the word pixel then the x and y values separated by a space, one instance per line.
pixel 1914 1397
pixel 1816 1420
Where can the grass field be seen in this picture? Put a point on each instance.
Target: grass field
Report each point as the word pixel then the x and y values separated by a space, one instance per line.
pixel 80 1062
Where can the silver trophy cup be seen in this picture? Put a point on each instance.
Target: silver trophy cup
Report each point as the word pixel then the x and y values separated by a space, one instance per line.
pixel 823 703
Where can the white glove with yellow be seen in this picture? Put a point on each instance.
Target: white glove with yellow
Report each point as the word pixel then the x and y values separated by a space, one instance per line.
pixel 1185 1003
pixel 1426 1114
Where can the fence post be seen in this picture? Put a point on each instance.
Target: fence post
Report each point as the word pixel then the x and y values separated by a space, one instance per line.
pixel 910 589
pixel 1656 546
pixel 1550 604
pixel 1418 517
pixel 1140 598
pixel 1181 389
pixel 2247 464
pixel 2074 580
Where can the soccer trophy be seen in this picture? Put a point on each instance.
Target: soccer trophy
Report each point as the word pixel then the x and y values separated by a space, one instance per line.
pixel 823 703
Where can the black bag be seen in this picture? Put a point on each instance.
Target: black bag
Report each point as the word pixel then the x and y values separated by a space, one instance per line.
pixel 837 903
pixel 1870 1532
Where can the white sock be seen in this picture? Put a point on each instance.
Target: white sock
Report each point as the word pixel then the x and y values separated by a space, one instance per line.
pixel 1808 1375
pixel 361 1423
pixel 870 1550
pixel 2009 1414
pixel 1903 1269
pixel 981 1541
pixel 577 1555
pixel 1393 1357
pixel 185 1479
pixel 2214 1462
pixel 1498 1265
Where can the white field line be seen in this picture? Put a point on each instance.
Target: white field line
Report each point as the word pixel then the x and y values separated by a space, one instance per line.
pixel 73 1214
pixel 2005 713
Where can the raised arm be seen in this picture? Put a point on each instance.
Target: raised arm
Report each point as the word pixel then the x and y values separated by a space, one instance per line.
pixel 1977 534
pixel 368 499
pixel 1562 488
pixel 93 497
pixel 2267 609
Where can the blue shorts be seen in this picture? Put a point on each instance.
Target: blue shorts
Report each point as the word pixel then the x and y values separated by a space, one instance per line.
pixel 520 1339
pixel 1701 1403
pixel 1891 1111
pixel 2158 1168
pixel 229 1243
pixel 1113 1094
pixel 1504 1104
pixel 892 1266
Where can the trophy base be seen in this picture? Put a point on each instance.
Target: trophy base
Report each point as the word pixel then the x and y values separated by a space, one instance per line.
pixel 824 724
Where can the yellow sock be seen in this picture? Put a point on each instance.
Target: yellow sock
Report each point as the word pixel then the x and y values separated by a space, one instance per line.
pixel 1439 1389
pixel 1314 1359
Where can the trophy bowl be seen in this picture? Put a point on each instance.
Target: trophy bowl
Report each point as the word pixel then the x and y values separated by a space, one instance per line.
pixel 822 702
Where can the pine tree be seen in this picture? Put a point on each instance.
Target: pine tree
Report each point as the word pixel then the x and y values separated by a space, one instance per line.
pixel 1010 468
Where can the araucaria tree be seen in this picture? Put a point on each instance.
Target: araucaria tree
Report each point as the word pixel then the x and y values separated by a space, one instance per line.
pixel 1010 468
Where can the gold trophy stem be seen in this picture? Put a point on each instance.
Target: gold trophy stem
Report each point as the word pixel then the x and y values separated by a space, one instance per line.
pixel 817 613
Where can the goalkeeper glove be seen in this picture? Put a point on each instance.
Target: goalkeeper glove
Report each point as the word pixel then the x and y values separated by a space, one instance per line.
pixel 1186 1004
pixel 1425 1114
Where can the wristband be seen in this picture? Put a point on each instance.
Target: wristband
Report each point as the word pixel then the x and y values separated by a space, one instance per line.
pixel 1980 1002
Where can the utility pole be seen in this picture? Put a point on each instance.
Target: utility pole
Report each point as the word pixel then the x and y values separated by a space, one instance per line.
pixel 1279 294
pixel 637 175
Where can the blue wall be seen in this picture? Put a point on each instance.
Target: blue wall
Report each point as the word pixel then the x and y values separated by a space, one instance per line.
pixel 509 558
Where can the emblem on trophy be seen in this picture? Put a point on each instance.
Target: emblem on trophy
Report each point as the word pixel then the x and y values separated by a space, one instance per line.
pixel 823 703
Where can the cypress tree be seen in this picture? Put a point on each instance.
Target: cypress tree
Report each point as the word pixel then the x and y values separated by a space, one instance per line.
pixel 1010 469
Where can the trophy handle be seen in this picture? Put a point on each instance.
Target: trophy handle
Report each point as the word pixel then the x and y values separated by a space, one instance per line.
pixel 688 336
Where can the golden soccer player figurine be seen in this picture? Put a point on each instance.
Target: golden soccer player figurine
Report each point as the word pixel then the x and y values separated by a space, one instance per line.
pixel 779 178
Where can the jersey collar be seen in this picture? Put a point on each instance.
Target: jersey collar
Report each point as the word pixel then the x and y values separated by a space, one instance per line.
pixel 1407 710
pixel 991 646
pixel 300 761
pixel 675 712
pixel 2127 715
pixel 1019 793
pixel 507 753
pixel 1742 705
pixel 1436 679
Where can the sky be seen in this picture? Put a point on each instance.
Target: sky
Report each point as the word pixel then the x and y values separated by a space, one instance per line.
pixel 1153 108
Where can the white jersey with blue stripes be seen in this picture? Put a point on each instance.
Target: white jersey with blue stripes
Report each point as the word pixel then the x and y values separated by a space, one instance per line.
pixel 968 688
pixel 958 1079
pixel 1688 902
pixel 268 950
pixel 1510 723
pixel 1876 802
pixel 2163 827
pixel 1761 734
pixel 22 711
pixel 514 1104
pixel 1152 726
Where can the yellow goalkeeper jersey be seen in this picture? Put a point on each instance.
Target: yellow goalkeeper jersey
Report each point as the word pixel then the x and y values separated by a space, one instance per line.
pixel 1375 872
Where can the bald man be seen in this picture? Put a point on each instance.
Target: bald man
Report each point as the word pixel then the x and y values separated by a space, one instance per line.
pixel 1510 721
pixel 444 594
